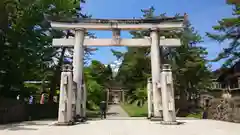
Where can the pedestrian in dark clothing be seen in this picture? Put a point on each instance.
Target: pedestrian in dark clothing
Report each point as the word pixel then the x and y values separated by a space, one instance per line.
pixel 205 114
pixel 103 109
pixel 205 110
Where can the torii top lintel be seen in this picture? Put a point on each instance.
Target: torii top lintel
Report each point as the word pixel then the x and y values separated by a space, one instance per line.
pixel 166 23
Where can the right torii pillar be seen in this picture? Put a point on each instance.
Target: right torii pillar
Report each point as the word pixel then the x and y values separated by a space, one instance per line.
pixel 162 86
pixel 168 100
pixel 78 72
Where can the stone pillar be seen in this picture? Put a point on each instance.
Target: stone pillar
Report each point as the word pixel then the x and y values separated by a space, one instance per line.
pixel 62 111
pixel 123 96
pixel 74 99
pixel 84 101
pixel 149 90
pixel 107 97
pixel 78 67
pixel 168 100
pixel 155 63
pixel 238 81
pixel 65 100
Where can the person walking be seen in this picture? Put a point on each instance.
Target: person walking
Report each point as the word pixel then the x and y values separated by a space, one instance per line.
pixel 205 110
pixel 42 100
pixel 31 99
pixel 103 109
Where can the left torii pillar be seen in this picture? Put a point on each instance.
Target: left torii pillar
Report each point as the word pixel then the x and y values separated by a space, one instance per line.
pixel 78 56
pixel 66 95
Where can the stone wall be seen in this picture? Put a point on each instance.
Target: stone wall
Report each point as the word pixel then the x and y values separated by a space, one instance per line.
pixel 225 109
pixel 16 111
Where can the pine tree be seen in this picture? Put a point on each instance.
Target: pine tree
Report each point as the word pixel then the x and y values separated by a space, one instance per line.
pixel 228 29
pixel 189 67
pixel 188 63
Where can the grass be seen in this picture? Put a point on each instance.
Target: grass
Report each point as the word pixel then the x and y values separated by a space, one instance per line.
pixel 135 111
pixel 93 114
pixel 195 115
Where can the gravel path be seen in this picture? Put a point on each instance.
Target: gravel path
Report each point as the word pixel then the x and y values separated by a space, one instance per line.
pixel 116 111
pixel 119 123
pixel 129 126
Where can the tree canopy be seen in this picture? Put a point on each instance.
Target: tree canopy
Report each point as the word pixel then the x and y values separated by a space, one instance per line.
pixel 97 78
pixel 191 75
pixel 26 50
pixel 228 31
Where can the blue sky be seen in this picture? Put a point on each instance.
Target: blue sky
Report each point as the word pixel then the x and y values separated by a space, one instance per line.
pixel 203 14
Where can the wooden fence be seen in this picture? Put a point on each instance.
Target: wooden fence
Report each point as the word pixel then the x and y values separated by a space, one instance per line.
pixel 17 111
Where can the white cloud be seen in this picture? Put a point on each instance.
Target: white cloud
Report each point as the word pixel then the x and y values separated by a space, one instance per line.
pixel 115 65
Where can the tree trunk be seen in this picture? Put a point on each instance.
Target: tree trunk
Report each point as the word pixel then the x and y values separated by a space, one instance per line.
pixel 3 29
pixel 56 77
pixel 4 16
pixel 182 104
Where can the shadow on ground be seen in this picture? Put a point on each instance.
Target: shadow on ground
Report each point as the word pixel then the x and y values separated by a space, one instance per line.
pixel 170 124
pixel 187 118
pixel 126 118
pixel 22 126
pixel 112 113
pixel 98 115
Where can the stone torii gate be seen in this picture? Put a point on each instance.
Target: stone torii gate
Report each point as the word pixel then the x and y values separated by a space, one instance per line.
pixel 80 26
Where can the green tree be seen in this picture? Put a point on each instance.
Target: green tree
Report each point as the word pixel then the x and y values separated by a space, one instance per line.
pixel 97 78
pixel 228 29
pixel 187 61
pixel 233 1
pixel 26 42
pixel 136 66
pixel 189 66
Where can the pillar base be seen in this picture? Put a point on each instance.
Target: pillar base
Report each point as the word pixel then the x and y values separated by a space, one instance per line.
pixel 81 119
pixel 156 119
pixel 170 123
pixel 78 118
